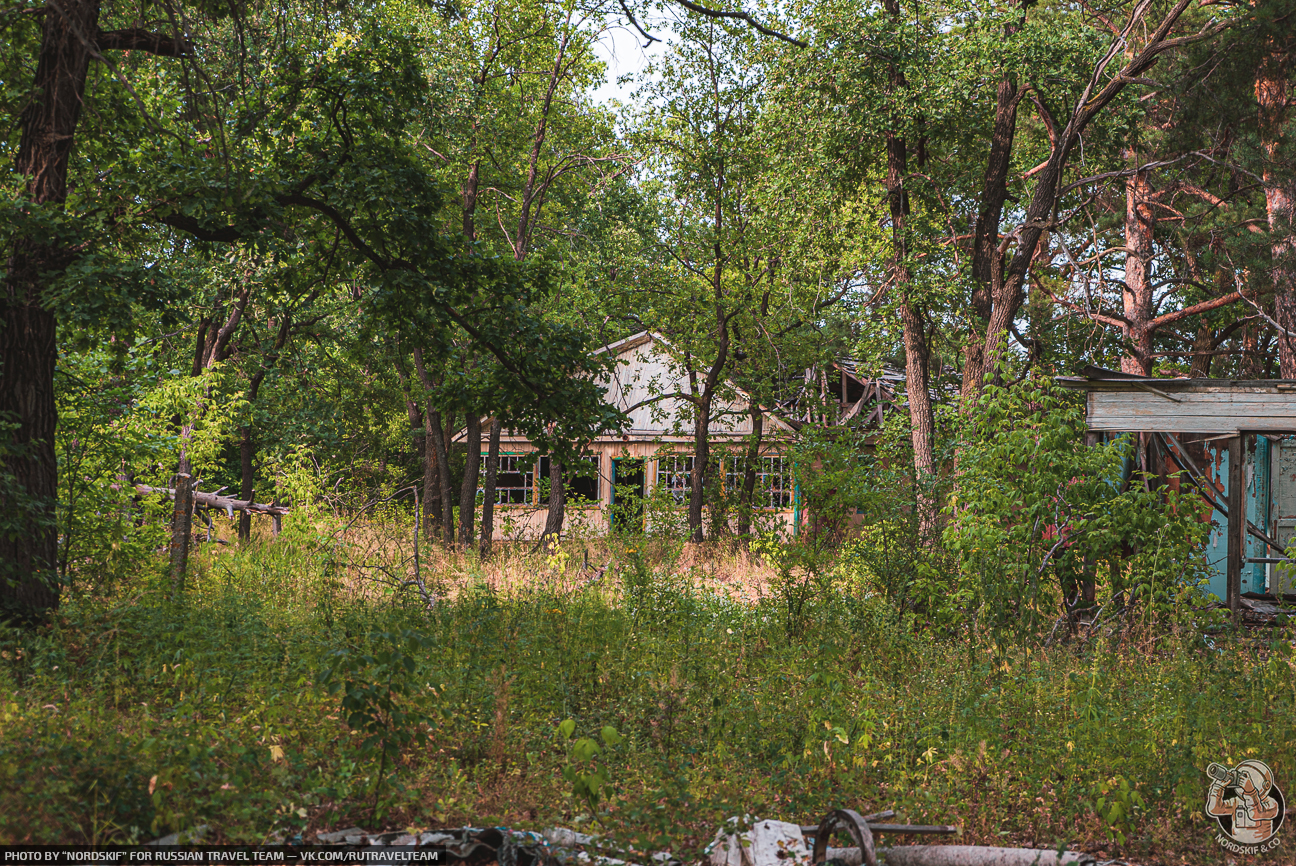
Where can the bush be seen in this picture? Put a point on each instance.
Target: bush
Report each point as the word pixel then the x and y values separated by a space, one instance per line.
pixel 1036 514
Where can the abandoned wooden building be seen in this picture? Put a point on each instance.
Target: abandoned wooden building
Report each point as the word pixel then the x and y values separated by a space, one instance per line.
pixel 1234 443
pixel 650 461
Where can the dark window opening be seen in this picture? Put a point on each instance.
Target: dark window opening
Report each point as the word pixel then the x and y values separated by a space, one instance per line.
pixel 583 483
pixel 627 495
pixel 515 483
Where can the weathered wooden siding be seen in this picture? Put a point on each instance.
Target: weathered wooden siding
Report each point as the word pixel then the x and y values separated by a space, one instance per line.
pixel 1192 411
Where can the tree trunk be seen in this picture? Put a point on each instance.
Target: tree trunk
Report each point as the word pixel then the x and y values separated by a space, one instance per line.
pixel 1139 313
pixel 1202 346
pixel 702 427
pixel 28 349
pixel 430 517
pixel 747 494
pixel 987 261
pixel 492 478
pixel 247 461
pixel 438 463
pixel 701 434
pixel 433 513
pixel 436 440
pixel 917 350
pixel 1280 200
pixel 472 472
pixel 181 521
pixel 698 475
pixel 557 502
pixel 418 440
pixel 1040 212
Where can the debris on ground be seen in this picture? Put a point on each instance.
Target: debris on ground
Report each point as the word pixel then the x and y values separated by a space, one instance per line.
pixel 741 841
pixel 754 842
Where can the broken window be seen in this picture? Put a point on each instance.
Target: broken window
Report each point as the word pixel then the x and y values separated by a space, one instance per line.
pixel 515 483
pixel 675 476
pixel 583 483
pixel 773 481
pixel 735 468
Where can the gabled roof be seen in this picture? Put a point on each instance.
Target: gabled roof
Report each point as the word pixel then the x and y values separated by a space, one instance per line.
pixel 651 371
pixel 641 385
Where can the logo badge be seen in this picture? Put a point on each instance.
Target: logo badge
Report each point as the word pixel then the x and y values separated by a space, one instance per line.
pixel 1247 805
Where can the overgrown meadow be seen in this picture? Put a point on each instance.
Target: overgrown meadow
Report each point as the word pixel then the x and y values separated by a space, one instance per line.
pixel 291 691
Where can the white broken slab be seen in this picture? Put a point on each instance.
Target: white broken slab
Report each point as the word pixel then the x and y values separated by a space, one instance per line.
pixel 766 843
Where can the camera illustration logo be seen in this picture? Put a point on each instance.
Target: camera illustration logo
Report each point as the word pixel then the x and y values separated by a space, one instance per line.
pixel 1247 805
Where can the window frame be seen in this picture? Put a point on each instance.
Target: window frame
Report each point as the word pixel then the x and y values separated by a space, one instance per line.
pixel 529 476
pixel 677 484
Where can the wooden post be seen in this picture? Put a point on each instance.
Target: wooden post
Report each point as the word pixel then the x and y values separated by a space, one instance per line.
pixel 1236 527
pixel 181 517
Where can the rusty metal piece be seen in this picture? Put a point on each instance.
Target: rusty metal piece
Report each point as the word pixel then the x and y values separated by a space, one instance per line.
pixel 812 829
pixel 916 829
pixel 853 823
pixel 896 829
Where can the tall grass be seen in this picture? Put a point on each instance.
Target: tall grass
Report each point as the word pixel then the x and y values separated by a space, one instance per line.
pixel 130 716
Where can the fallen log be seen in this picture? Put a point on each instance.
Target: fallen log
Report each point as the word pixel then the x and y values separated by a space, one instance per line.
pixel 227 504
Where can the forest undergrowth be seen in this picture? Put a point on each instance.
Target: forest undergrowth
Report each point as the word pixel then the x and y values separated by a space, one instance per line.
pixel 288 693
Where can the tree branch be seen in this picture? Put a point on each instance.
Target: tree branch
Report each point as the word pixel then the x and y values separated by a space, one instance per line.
pixel 342 224
pixel 138 39
pixel 644 33
pixel 741 16
pixel 1203 307
pixel 189 225
pixel 1113 321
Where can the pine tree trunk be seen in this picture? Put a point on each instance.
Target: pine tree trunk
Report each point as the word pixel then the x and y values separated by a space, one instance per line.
pixel 1202 346
pixel 1280 200
pixel 1139 313
pixel 28 349
pixel 492 479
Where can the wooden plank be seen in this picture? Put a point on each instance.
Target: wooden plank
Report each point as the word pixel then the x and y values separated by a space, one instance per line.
pixel 1196 412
